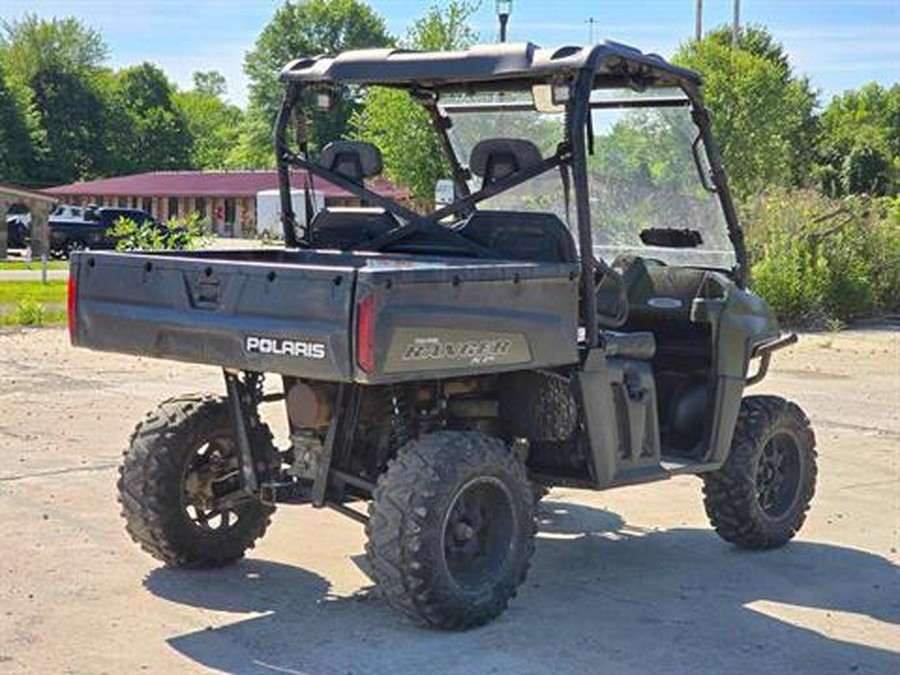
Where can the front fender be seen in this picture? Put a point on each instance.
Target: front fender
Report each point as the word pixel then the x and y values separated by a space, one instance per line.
pixel 740 321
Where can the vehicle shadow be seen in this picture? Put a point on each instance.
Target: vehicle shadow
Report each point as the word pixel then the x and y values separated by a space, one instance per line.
pixel 601 597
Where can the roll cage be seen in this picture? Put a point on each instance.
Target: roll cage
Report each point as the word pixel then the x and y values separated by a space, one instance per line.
pixel 491 68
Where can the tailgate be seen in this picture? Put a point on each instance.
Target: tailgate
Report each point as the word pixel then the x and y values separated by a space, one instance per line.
pixel 286 318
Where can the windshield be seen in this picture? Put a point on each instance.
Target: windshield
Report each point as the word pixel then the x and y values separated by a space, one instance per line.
pixel 646 191
pixel 645 185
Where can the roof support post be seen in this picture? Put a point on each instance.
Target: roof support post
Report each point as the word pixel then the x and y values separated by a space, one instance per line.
pixel 701 118
pixel 288 219
pixel 441 124
pixel 581 95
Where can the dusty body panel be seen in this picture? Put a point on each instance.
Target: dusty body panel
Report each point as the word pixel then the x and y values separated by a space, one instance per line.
pixel 295 313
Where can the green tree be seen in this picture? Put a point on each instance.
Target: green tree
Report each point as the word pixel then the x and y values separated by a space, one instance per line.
pixel 859 143
pixel 759 112
pixel 159 133
pixel 254 148
pixel 399 126
pixel 760 42
pixel 72 113
pixel 210 82
pixel 31 43
pixel 306 29
pixel 444 28
pixel 18 132
pixel 213 124
pixel 59 62
pixel 756 40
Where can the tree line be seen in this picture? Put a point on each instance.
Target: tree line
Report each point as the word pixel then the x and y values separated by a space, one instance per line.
pixel 66 116
pixel 816 185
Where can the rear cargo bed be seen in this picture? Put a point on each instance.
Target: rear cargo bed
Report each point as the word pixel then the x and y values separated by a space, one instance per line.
pixel 296 312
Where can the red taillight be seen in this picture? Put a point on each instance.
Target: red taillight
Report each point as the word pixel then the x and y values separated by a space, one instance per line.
pixel 70 306
pixel 365 334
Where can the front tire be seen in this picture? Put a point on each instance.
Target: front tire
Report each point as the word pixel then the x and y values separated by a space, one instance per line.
pixel 760 496
pixel 183 456
pixel 451 529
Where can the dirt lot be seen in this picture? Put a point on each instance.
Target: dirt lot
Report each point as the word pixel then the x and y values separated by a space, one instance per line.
pixel 627 581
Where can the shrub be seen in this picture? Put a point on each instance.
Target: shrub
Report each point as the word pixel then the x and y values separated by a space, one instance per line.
pixel 818 260
pixel 29 312
pixel 175 235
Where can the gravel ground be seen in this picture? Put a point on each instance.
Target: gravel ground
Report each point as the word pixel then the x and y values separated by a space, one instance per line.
pixel 626 581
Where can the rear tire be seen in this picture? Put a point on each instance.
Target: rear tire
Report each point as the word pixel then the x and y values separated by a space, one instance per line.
pixel 178 454
pixel 760 496
pixel 451 529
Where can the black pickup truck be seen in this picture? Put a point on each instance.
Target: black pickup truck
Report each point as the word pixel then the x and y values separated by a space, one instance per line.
pixel 578 316
pixel 88 228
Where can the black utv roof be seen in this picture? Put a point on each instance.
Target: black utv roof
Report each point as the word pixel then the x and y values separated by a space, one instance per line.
pixel 483 63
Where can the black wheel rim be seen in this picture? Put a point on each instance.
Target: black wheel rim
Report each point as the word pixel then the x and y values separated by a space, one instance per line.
pixel 479 531
pixel 778 475
pixel 212 471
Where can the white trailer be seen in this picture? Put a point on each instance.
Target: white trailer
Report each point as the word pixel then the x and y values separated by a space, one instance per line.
pixel 268 209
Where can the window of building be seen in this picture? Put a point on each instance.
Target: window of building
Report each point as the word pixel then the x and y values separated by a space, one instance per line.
pixel 230 211
pixel 122 202
pixel 147 205
pixel 172 208
pixel 200 207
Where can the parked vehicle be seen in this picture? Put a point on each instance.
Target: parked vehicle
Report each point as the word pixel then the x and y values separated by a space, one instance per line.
pixel 18 230
pixel 74 228
pixel 446 374
pixel 69 213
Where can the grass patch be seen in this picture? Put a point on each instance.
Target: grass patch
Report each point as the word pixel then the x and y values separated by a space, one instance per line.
pixel 28 316
pixel 32 303
pixel 12 292
pixel 30 312
pixel 35 265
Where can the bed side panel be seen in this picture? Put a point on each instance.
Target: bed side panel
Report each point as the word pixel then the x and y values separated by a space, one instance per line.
pixel 436 324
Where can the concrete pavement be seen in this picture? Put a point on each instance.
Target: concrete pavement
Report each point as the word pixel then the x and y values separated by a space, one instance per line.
pixel 627 581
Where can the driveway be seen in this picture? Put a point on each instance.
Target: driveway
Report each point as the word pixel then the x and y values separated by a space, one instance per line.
pixel 626 581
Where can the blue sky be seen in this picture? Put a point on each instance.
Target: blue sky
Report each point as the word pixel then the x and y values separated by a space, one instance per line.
pixel 838 44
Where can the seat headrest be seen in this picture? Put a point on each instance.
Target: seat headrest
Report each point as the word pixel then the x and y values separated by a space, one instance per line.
pixel 495 158
pixel 354 159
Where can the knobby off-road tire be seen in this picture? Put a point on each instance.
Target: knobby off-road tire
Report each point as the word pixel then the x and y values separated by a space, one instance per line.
pixel 451 529
pixel 759 498
pixel 152 478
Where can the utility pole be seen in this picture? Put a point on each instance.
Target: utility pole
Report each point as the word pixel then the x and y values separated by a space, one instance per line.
pixel 736 24
pixel 504 9
pixel 698 21
pixel 590 23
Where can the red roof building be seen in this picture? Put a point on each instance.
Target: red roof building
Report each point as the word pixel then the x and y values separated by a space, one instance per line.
pixel 228 199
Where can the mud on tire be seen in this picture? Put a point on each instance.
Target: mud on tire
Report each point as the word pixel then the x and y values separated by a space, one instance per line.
pixel 152 484
pixel 451 529
pixel 760 497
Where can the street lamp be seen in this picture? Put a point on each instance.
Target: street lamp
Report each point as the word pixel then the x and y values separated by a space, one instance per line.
pixel 504 9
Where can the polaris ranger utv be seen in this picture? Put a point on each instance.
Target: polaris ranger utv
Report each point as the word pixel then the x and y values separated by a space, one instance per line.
pixel 578 316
